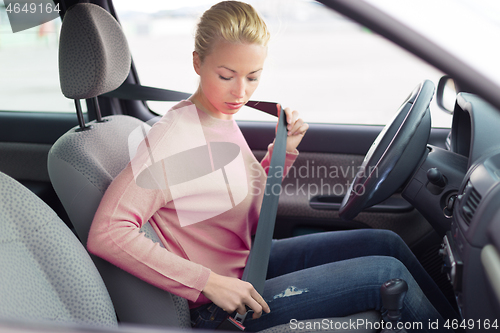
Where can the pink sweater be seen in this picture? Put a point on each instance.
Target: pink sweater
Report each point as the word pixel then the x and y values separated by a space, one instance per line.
pixel 196 181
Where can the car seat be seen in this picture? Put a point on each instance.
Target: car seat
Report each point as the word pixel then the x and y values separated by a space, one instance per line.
pixel 94 59
pixel 46 273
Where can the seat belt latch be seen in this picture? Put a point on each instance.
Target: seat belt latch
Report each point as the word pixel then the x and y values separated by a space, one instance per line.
pixel 233 324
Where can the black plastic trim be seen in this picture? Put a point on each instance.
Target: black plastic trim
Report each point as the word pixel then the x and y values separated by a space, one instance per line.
pixel 390 205
pixel 328 138
pixel 35 127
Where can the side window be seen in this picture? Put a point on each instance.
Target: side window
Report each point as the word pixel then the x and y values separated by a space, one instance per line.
pixel 29 79
pixel 320 63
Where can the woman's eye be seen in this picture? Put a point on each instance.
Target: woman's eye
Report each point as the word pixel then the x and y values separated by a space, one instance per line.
pixel 224 78
pixel 252 79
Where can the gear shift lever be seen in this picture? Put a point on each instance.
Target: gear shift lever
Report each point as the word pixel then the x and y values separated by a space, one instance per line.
pixel 393 294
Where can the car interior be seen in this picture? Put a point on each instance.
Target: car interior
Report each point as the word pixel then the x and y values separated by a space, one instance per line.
pixel 435 187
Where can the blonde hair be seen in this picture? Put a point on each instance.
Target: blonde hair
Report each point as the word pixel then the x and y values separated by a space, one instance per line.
pixel 232 21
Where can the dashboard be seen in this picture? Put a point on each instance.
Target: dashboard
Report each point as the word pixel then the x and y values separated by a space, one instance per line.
pixel 457 189
pixel 471 247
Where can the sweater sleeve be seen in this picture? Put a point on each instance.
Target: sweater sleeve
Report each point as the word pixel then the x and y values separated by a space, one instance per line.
pixel 115 236
pixel 289 160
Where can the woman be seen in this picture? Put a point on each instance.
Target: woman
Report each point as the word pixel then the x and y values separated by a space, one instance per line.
pixel 194 178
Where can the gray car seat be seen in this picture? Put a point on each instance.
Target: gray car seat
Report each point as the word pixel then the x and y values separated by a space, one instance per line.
pixel 94 59
pixel 46 273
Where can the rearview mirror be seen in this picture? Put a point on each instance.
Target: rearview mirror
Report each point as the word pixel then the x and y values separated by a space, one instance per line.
pixel 446 94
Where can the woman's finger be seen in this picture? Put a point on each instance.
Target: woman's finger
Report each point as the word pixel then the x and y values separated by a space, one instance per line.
pixel 255 307
pixel 295 126
pixel 241 309
pixel 302 129
pixel 291 116
pixel 261 302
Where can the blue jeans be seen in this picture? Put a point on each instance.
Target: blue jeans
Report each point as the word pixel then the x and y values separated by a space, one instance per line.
pixel 336 274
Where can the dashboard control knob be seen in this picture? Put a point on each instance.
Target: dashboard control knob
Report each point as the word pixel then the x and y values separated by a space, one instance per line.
pixel 448 210
pixel 436 177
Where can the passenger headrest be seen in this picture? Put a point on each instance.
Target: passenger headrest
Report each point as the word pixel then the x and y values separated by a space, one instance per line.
pixel 94 57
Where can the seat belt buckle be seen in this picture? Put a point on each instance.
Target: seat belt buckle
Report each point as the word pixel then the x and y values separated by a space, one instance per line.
pixel 233 324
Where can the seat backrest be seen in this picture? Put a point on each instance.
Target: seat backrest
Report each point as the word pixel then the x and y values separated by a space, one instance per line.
pixel 81 166
pixel 94 59
pixel 46 273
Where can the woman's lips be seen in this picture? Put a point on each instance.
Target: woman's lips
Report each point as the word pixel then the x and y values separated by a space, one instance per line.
pixel 234 106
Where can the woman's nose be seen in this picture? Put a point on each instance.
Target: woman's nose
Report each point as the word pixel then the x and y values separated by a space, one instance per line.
pixel 239 89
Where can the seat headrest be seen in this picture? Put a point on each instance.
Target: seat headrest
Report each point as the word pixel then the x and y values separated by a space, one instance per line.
pixel 94 57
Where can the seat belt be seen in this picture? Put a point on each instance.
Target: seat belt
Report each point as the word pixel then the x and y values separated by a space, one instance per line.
pixel 259 258
pixel 145 93
pixel 256 268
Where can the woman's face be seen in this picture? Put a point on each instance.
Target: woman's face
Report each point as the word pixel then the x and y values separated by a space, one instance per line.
pixel 228 76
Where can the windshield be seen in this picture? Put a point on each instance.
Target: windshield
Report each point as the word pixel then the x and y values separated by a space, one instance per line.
pixel 467 29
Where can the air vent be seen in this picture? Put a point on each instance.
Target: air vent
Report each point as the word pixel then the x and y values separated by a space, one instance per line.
pixel 471 199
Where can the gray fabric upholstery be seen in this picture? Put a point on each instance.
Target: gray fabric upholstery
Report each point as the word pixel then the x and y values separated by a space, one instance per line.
pixel 81 166
pixel 94 57
pixel 46 273
pixel 99 154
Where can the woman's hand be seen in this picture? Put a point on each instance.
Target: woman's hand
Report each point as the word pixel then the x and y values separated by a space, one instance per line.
pixel 232 294
pixel 296 129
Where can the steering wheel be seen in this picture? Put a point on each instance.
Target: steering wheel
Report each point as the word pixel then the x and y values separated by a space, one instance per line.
pixel 394 154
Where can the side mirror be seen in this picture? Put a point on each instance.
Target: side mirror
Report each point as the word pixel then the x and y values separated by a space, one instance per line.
pixel 446 94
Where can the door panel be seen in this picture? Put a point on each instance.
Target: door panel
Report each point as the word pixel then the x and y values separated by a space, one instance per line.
pixel 328 161
pixel 35 127
pixel 25 140
pixel 322 174
pixel 330 155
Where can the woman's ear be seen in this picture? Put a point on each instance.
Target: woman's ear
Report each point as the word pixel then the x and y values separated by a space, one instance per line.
pixel 196 62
